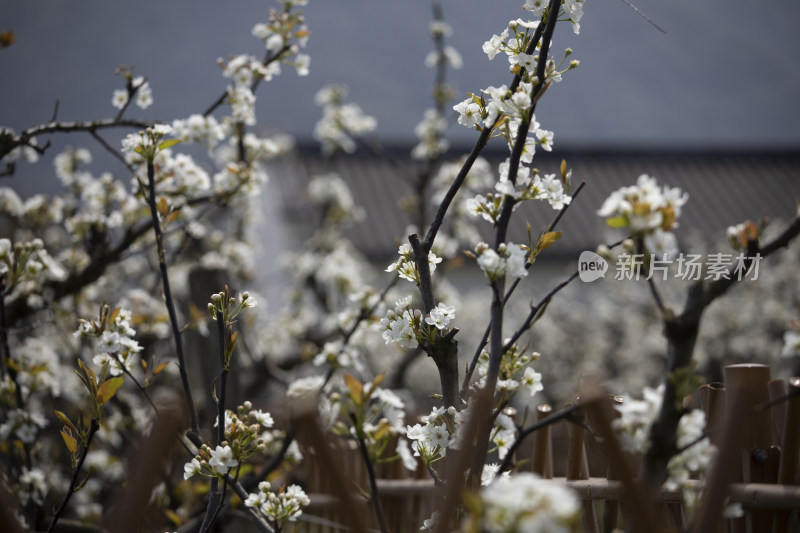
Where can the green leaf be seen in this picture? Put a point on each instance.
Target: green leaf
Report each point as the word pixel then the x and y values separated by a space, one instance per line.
pixel 107 390
pixel 163 145
pixel 69 440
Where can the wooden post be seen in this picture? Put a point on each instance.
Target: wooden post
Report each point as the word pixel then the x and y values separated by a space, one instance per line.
pixel 788 472
pixel 712 400
pixel 749 382
pixel 578 466
pixel 543 445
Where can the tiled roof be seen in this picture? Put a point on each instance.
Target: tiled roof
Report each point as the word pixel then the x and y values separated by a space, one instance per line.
pixel 725 188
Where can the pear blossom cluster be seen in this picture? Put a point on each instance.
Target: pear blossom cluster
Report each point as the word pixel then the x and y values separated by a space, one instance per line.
pixel 525 502
pixel 341 122
pixel 438 430
pixel 570 9
pixel 23 425
pixel 648 211
pixel 515 372
pixel 440 316
pixel 439 29
pixel 633 429
pixel 285 505
pixel 230 306
pixel 695 458
pixel 284 34
pixel 24 266
pixel 406 267
pixel 248 432
pixel 199 129
pixel 430 132
pixel 115 346
pixel 145 144
pixel 509 259
pixel 401 324
pixel 332 193
pixel 138 86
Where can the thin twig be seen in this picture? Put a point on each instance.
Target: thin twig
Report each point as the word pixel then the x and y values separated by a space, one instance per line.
pixel 94 426
pixel 373 487
pixel 194 434
pixel 217 498
pixel 111 150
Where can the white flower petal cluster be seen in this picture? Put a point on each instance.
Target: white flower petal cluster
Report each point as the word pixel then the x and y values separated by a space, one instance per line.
pixel 430 132
pixel 32 486
pixel 332 193
pixel 341 122
pixel 284 35
pixel 510 259
pixel 115 344
pixel 438 430
pixel 338 356
pixel 513 46
pixel 279 507
pixel 448 55
pixel 514 374
pixel 441 315
pixel 636 418
pixel 647 210
pixel 526 502
pixel 25 267
pixel 305 388
pixel 406 267
pixel 571 9
pixel 23 425
pixel 222 459
pixel 180 175
pixel 697 454
pixel 527 186
pixel 197 128
pixel 401 324
pixel 144 94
